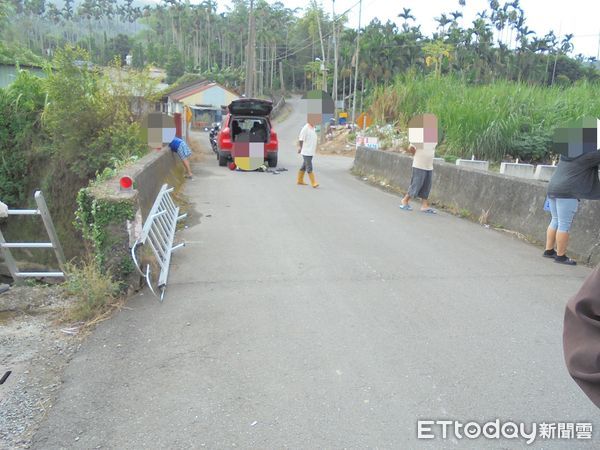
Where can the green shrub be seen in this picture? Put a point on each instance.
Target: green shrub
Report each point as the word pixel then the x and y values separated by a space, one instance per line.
pixel 21 106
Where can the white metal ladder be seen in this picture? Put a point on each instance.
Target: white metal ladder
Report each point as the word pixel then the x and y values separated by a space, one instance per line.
pixel 42 210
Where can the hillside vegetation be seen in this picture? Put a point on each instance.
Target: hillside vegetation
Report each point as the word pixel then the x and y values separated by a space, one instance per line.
pixel 494 121
pixel 58 132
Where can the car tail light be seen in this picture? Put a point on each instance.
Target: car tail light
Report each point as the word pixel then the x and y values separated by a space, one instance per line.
pixel 272 144
pixel 225 138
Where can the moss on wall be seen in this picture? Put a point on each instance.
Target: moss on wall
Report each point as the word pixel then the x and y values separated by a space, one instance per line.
pixel 103 224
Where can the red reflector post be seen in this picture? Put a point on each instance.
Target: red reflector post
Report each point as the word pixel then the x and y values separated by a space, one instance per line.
pixel 126 183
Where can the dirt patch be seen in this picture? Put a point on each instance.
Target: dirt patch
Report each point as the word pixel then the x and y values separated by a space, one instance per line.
pixel 34 350
pixel 339 142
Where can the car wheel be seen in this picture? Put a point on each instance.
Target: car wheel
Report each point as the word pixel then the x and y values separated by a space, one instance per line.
pixel 223 160
pixel 272 160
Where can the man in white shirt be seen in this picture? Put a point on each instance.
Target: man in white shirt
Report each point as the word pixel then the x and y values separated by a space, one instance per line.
pixel 423 136
pixel 307 147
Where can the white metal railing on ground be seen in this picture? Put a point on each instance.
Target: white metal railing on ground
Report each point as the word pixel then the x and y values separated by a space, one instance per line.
pixel 159 232
pixel 42 210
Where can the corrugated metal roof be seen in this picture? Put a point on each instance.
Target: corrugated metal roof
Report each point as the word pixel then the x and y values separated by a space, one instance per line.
pixel 186 86
pixel 192 90
pixel 195 87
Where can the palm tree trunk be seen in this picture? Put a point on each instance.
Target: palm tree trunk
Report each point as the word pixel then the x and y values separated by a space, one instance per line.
pixel 273 53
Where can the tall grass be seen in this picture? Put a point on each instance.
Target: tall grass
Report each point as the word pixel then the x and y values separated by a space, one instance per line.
pixel 494 121
pixel 93 292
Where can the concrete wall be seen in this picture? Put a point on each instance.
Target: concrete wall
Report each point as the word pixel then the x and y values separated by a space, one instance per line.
pixel 149 174
pixel 514 204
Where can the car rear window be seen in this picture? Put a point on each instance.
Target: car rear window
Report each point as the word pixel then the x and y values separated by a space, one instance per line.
pixel 251 127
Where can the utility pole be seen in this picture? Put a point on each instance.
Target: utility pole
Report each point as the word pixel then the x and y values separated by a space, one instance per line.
pixel 323 64
pixel 250 53
pixel 356 65
pixel 335 62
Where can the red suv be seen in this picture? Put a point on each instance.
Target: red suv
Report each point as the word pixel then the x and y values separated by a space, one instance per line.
pixel 247 121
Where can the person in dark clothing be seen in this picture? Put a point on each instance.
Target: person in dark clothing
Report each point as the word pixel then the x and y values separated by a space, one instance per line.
pixel 581 337
pixel 257 132
pixel 576 178
pixel 235 130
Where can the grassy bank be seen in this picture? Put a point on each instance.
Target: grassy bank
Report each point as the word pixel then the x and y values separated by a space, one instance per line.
pixel 57 133
pixel 495 121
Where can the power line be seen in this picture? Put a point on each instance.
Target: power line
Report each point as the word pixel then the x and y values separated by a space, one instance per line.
pixel 298 50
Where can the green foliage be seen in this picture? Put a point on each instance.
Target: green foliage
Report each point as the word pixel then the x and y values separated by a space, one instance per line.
pixel 185 78
pixel 84 216
pixel 229 76
pixel 175 66
pixel 492 121
pixel 528 146
pixel 57 133
pixel 94 217
pixel 102 224
pixel 94 290
pixel 118 47
pixel 137 56
pixel 124 141
pixel 75 111
pixel 87 119
pixel 196 37
pixel 16 54
pixel 112 170
pixel 21 106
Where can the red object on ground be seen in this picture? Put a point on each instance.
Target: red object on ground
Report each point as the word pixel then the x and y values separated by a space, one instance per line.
pixel 126 182
pixel 232 166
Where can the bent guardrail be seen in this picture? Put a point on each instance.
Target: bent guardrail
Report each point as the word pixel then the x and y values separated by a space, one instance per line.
pixel 159 233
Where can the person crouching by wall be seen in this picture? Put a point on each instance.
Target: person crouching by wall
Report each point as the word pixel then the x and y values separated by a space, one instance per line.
pixel 575 178
pixel 183 151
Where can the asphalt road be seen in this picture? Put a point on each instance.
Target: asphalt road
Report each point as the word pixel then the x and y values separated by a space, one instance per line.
pixel 325 318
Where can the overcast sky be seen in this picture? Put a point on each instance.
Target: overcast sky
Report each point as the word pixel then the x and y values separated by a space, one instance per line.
pixel 579 17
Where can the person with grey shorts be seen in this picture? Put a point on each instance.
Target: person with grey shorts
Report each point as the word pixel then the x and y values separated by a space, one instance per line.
pixel 423 135
pixel 307 147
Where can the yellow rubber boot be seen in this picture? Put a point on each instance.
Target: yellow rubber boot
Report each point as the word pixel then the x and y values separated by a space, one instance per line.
pixel 312 180
pixel 301 177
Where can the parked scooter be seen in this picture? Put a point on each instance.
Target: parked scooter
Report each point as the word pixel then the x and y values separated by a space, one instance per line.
pixel 212 136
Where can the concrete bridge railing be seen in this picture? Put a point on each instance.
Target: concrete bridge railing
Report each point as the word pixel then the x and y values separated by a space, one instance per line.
pixel 111 218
